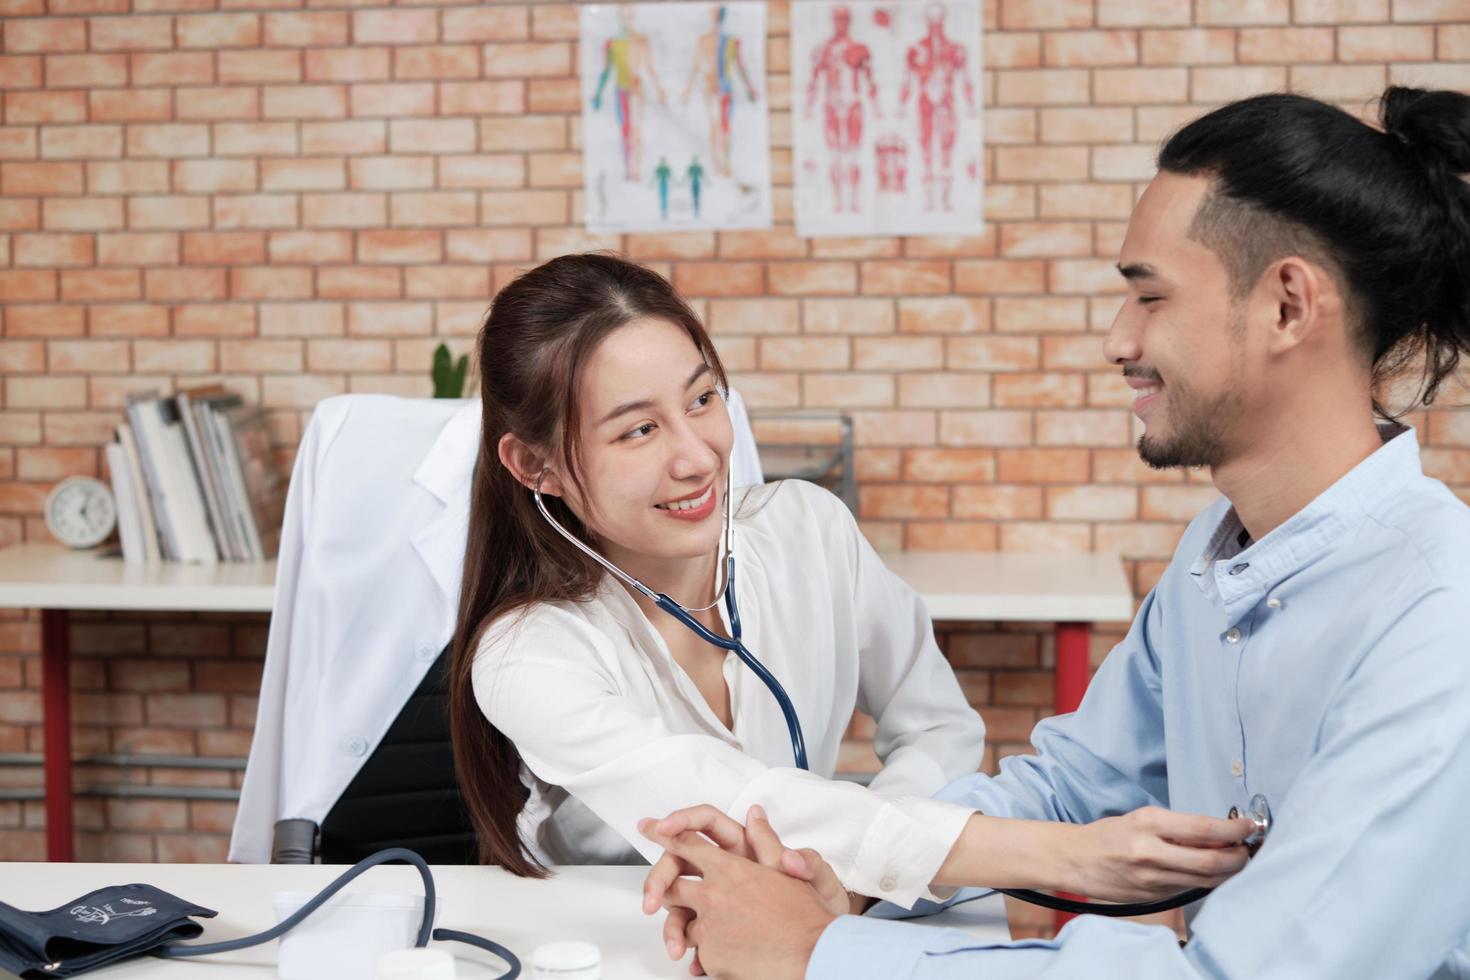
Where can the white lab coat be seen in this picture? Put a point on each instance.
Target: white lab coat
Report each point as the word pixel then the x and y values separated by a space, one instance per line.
pixel 367 589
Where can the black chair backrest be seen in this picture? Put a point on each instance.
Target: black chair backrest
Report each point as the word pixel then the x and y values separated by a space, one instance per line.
pixel 405 794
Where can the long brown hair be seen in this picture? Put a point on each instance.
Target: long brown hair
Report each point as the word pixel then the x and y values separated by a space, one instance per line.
pixel 536 337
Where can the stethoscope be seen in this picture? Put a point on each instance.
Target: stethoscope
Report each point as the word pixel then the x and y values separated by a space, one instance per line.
pixel 668 605
pixel 1259 812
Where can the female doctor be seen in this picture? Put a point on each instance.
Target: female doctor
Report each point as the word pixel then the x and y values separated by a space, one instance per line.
pixel 578 707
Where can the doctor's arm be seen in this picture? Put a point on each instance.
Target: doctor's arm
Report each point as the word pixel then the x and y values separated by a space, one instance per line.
pixel 1361 876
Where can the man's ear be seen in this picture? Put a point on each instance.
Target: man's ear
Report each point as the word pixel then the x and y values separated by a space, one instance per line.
pixel 526 464
pixel 1303 295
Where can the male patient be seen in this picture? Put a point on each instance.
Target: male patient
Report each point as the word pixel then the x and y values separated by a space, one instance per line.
pixel 1310 640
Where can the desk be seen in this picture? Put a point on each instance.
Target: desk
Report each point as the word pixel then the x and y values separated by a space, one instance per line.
pixel 54 579
pixel 596 904
pixel 1071 590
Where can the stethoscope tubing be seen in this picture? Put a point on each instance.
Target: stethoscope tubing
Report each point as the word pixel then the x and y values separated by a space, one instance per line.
pixel 673 608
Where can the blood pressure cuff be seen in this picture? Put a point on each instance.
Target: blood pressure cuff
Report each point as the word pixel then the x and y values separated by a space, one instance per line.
pixel 101 927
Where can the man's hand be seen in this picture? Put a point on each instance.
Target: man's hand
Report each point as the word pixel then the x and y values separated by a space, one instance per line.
pixel 1153 853
pixel 753 886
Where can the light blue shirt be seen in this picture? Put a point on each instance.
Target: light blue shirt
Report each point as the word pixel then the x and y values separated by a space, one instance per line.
pixel 1326 666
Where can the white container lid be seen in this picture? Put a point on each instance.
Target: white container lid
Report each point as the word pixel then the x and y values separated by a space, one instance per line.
pixel 566 961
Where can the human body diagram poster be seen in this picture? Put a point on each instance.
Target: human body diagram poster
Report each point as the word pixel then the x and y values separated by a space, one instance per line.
pixel 886 117
pixel 674 116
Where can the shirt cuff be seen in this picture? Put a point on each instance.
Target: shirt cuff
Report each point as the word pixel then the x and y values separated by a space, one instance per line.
pixel 852 947
pixel 904 849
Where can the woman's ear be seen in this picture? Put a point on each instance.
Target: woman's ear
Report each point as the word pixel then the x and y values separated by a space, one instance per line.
pixel 526 464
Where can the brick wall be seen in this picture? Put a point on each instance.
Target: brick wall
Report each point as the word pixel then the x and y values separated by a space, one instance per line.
pixel 304 200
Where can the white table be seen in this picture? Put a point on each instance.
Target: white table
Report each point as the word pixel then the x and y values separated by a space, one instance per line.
pixel 1071 590
pixel 54 579
pixel 595 904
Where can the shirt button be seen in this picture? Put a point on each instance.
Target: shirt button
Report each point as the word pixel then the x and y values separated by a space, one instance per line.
pixel 888 884
pixel 1233 635
pixel 1237 569
pixel 425 651
pixel 1236 769
pixel 1273 603
pixel 356 745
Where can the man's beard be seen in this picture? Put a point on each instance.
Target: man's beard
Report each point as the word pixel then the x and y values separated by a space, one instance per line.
pixel 1196 430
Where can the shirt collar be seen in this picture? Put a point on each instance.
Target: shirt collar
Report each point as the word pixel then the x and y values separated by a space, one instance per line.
pixel 446 468
pixel 1237 582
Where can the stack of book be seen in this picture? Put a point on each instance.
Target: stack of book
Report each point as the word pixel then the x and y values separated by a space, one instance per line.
pixel 194 479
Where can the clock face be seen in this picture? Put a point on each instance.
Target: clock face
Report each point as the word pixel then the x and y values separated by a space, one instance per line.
pixel 80 511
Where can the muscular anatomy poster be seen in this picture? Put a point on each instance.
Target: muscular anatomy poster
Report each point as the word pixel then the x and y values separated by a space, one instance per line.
pixel 674 127
pixel 886 117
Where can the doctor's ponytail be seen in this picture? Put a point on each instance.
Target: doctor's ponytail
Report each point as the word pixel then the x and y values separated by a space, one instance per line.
pixel 539 332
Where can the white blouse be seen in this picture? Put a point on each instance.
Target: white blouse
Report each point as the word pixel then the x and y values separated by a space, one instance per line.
pixel 611 730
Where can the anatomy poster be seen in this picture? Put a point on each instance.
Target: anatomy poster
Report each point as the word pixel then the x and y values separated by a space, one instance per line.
pixel 674 116
pixel 886 117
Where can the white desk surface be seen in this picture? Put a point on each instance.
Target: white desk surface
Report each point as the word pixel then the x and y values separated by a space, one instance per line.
pixel 595 904
pixel 45 575
pixel 960 586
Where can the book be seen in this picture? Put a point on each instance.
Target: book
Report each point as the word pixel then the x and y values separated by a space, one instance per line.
pixel 151 550
pixel 243 441
pixel 204 468
pixel 129 523
pixel 177 495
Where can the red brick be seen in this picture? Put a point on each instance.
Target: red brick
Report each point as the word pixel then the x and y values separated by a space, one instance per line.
pixel 223 248
pixel 998 503
pixel 177 212
pixel 17 143
pixel 447 61
pixel 349 65
pixel 301 320
pixel 138 248
pixel 81 142
pixel 1024 14
pixel 259 65
pixel 393 99
pixel 255 139
pixel 130 33
pixel 804 353
pixel 1090 49
pixel 45 107
pixel 86 70
pixel 395 26
pixel 903 501
pixel 23 71
pixel 173 356
pixel 210 176
pixel 183 68
pixel 1026 315
pixel 262 357
pixel 128 321
pixel 992 353
pixel 333 138
pixel 439 208
pixel 537 59
pixel 1041 465
pixel 846 390
pixel 389 319
pixel 988 277
pixel 81 213
pixel 343 210
pixel 719 278
pixel 132 105
pixel 1243 12
pixel 168 140
pixel 984 428
pixel 45 34
pixel 359 282
pixel 255 211
pixel 848 316
pixel 271 283
pixel 488 245
pixel 310 246
pixel 1188 47
pixel 174 285
pixel 53 250
pixel 400 246
pixel 1091 125
pixel 447 281
pixel 494 23
pixel 218 30
pixel 313 174
pixel 482 98
pixel 949 466
pixel 40 178
pixel 215 320
pixel 944 390
pixel 304 102
pixel 1012 49
pixel 291 30
pixel 1055 86
pixel 43 321
pixel 754 316
pixel 519 134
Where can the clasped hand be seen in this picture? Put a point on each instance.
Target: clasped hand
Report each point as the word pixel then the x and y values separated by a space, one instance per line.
pixel 750 906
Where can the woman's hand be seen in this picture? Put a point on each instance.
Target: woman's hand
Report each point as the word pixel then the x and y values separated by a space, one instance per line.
pixel 1152 853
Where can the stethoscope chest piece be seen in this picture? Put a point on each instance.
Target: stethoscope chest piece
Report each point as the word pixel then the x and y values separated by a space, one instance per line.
pixel 1260 815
